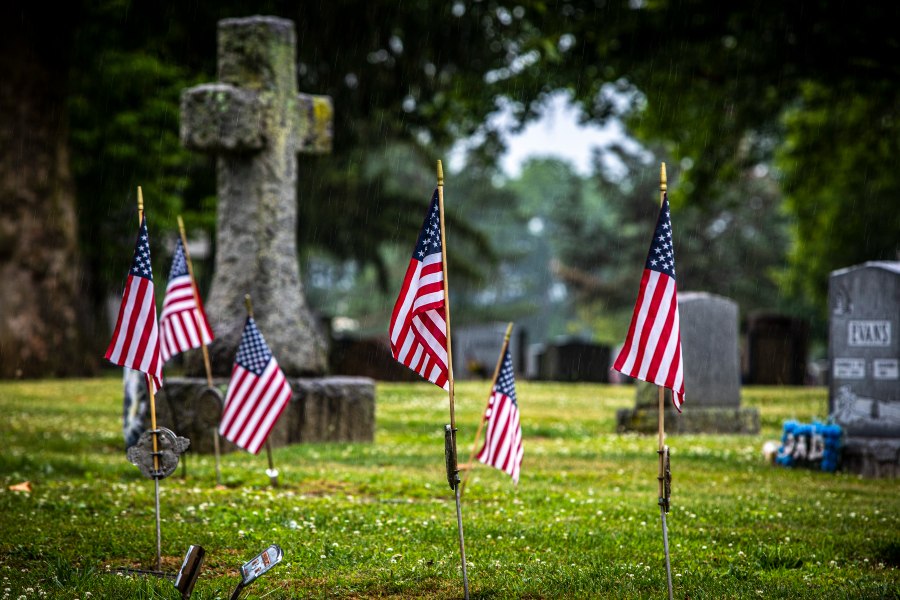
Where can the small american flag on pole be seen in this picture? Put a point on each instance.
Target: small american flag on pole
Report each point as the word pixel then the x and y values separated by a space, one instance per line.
pixel 418 326
pixel 503 432
pixel 257 393
pixel 182 324
pixel 652 350
pixel 135 340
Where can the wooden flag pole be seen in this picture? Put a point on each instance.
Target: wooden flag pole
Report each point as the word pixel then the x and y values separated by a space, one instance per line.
pixel 190 267
pixel 200 328
pixel 140 201
pixel 662 451
pixel 462 546
pixel 440 187
pixel 153 430
pixel 471 465
pixel 272 472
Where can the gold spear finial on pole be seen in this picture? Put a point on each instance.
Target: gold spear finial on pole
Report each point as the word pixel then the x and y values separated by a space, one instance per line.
pixel 249 304
pixel 140 205
pixel 662 177
pixel 440 174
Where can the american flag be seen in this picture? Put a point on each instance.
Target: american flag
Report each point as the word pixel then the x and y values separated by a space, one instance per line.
pixel 503 432
pixel 135 340
pixel 257 393
pixel 652 350
pixel 418 323
pixel 182 324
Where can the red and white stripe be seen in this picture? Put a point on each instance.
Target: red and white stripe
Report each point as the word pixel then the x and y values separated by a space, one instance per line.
pixel 503 436
pixel 652 350
pixel 182 324
pixel 253 405
pixel 418 325
pixel 135 340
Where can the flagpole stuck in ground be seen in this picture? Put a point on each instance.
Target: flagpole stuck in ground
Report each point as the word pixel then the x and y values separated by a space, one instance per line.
pixel 204 349
pixel 663 451
pixel 450 441
pixel 471 464
pixel 153 430
pixel 272 472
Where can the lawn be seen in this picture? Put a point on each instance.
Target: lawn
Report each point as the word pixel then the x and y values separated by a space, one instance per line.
pixel 378 520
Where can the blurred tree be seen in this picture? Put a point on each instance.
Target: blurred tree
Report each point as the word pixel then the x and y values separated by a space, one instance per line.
pixel 42 316
pixel 727 88
pixel 841 183
pixel 719 87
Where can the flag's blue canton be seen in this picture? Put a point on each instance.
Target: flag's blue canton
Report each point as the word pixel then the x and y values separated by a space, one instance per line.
pixel 253 353
pixel 140 265
pixel 662 254
pixel 430 237
pixel 506 384
pixel 179 264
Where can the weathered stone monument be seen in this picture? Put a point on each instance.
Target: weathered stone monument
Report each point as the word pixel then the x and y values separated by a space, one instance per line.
pixel 712 377
pixel 776 349
pixel 256 123
pixel 864 358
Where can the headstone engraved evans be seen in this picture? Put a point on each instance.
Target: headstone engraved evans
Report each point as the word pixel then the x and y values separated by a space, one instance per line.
pixel 712 379
pixel 256 123
pixel 864 353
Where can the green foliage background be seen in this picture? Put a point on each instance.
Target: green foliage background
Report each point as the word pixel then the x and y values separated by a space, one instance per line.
pixel 779 125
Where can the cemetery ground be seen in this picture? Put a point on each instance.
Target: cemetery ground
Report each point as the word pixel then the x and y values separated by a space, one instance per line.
pixel 378 520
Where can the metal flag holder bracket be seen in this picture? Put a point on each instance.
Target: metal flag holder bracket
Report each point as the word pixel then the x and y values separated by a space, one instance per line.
pixel 453 480
pixel 210 402
pixel 666 478
pixel 450 457
pixel 169 448
pixel 156 455
pixel 259 564
pixel 187 575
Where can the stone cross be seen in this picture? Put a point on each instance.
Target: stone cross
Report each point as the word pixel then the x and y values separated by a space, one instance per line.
pixel 256 123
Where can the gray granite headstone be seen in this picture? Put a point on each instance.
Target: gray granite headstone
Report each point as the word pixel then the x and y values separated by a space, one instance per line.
pixel 864 359
pixel 709 347
pixel 712 375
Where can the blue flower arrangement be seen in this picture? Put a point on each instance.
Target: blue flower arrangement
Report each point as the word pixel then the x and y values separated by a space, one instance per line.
pixel 812 445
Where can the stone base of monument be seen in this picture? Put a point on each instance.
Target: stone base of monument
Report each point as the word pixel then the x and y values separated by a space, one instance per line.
pixel 326 409
pixel 871 457
pixel 694 419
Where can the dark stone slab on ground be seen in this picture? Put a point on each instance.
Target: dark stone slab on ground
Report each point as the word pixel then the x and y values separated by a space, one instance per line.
pixel 324 409
pixel 697 420
pixel 871 457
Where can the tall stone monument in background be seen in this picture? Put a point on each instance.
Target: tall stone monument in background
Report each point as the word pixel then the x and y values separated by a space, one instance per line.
pixel 255 122
pixel 864 359
pixel 712 375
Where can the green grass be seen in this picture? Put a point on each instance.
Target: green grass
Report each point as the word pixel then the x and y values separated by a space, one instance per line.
pixel 378 520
